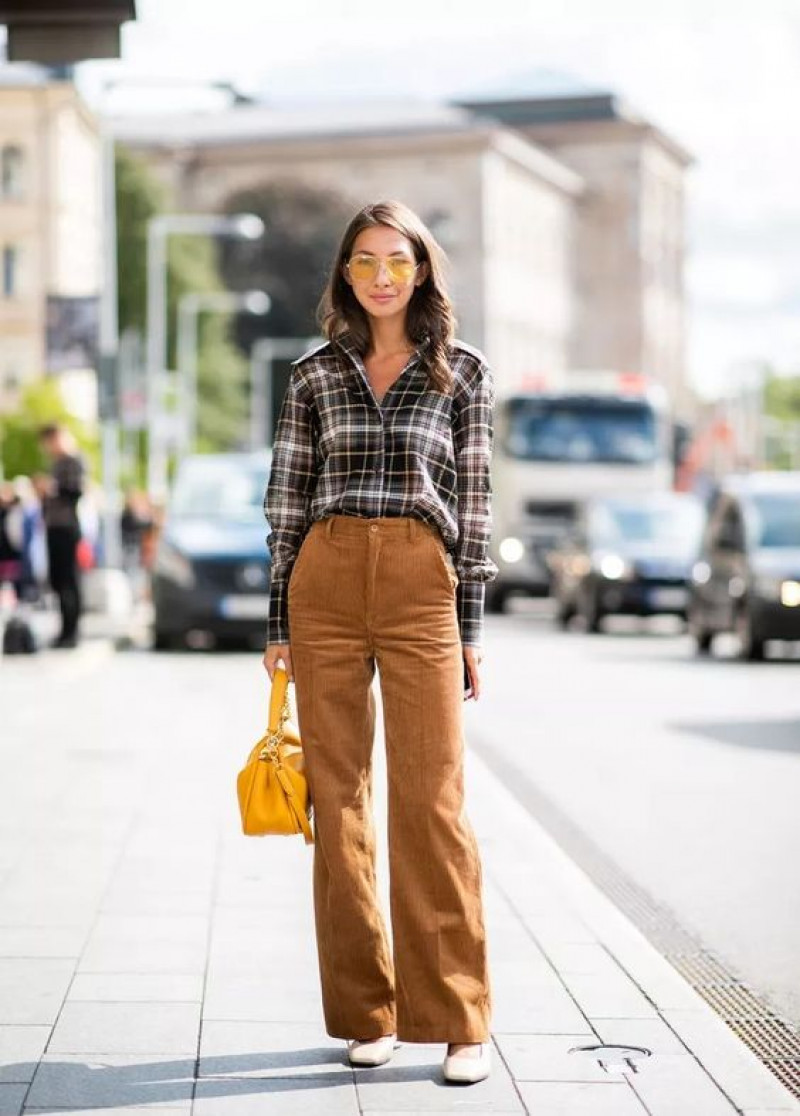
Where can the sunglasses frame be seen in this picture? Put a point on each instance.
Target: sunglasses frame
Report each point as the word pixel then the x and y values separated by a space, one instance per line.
pixel 386 260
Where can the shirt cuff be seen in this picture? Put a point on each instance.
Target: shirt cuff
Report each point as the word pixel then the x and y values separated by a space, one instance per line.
pixel 278 622
pixel 470 597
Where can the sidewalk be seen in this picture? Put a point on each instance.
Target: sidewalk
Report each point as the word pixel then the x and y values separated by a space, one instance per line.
pixel 153 959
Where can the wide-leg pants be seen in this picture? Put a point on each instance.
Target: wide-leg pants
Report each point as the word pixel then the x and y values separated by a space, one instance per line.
pixel 367 592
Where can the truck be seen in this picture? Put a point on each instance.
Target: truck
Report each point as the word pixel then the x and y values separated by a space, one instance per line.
pixel 596 433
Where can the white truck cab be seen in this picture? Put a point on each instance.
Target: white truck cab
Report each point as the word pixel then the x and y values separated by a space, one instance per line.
pixel 596 433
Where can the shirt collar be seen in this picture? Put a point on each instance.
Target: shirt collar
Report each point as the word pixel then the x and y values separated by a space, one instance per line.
pixel 354 370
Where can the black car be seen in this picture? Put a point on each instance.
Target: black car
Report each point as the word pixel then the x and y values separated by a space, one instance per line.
pixel 747 578
pixel 211 570
pixel 630 555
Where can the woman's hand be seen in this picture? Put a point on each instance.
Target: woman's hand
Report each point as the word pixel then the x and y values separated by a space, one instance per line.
pixel 473 656
pixel 274 653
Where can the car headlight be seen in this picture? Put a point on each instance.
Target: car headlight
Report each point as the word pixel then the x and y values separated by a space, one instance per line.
pixel 790 594
pixel 174 566
pixel 512 549
pixel 769 587
pixel 613 567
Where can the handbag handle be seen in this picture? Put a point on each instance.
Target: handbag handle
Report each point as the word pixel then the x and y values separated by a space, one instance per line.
pixel 279 709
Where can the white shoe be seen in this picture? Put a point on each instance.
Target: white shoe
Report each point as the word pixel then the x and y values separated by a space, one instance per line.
pixel 372 1052
pixel 465 1068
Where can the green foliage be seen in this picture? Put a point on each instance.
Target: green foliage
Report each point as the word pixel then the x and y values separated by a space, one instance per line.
pixel 782 397
pixel 222 370
pixel 782 407
pixel 291 262
pixel 41 403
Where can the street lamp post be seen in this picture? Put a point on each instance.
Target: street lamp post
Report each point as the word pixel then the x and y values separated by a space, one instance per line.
pixel 265 352
pixel 244 225
pixel 189 309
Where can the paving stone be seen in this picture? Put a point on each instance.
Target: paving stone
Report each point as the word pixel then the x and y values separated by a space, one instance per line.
pixel 20 1050
pixel 262 998
pixel 653 1034
pixel 667 1080
pixel 32 990
pixel 143 943
pixel 41 941
pixel 112 1080
pixel 569 1098
pixel 132 1028
pixel 547 1058
pixel 539 1010
pixel 133 987
pixel 610 993
pixel 269 1050
pixel 11 1098
pixel 162 1110
pixel 281 1096
pixel 747 1082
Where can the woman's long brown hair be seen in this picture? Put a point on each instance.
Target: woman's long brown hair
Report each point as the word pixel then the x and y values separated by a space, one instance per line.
pixel 430 321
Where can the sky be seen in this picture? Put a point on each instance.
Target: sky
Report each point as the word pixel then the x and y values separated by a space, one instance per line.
pixel 721 78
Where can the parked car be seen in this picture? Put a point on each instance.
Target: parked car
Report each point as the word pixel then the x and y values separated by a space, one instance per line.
pixel 211 568
pixel 747 577
pixel 630 555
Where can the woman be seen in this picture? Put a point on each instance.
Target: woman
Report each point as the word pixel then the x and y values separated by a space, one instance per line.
pixel 379 507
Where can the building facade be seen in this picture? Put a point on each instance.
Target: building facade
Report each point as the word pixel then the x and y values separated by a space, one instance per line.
pixel 49 241
pixel 629 227
pixel 502 208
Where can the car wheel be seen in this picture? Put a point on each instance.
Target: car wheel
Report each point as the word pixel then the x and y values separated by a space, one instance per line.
pixel 703 638
pixel 751 643
pixel 163 641
pixel 564 614
pixel 590 611
pixel 496 600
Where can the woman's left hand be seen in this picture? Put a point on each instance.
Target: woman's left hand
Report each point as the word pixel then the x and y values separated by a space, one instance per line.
pixel 472 657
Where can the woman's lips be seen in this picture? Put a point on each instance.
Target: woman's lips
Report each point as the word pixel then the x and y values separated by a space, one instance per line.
pixel 381 298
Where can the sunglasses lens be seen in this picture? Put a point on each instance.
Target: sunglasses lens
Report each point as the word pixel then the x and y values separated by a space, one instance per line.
pixel 401 271
pixel 363 267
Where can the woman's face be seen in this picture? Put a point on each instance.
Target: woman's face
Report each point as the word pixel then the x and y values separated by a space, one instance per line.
pixel 384 295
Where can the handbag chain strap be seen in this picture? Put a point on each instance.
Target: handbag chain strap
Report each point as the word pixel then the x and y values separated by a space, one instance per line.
pixel 274 738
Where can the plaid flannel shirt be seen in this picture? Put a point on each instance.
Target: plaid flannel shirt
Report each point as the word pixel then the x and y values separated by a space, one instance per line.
pixel 417 452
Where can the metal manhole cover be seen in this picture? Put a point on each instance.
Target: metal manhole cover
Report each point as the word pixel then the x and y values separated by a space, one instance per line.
pixel 613 1058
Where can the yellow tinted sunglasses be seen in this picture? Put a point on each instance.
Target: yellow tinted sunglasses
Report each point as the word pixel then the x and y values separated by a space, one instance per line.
pixel 364 268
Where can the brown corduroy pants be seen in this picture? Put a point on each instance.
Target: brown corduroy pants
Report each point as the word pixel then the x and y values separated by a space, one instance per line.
pixel 383 591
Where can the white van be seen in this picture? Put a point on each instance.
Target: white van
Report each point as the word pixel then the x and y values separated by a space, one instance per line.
pixel 603 434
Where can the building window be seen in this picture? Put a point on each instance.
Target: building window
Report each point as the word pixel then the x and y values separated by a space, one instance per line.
pixel 11 166
pixel 10 272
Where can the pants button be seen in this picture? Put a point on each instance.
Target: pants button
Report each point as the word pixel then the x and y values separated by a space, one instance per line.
pixel 373 527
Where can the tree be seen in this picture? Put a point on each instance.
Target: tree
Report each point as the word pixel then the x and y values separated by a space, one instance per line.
pixel 41 403
pixel 291 261
pixel 782 407
pixel 190 268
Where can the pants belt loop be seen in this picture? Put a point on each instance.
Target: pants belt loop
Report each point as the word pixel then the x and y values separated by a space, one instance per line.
pixel 412 528
pixel 329 526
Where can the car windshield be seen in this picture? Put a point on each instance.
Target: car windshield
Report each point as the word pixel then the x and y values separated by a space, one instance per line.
pixel 776 520
pixel 582 431
pixel 220 490
pixel 673 525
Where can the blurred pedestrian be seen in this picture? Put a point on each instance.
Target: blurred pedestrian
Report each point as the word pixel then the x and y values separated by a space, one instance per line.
pixel 11 537
pixel 379 507
pixel 34 541
pixel 136 524
pixel 66 486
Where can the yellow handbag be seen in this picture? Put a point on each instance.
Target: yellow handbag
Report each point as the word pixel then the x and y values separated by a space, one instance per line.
pixel 272 786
